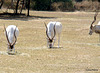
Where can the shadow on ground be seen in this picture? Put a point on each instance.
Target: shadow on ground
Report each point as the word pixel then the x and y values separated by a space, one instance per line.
pixel 14 53
pixel 23 17
pixel 56 48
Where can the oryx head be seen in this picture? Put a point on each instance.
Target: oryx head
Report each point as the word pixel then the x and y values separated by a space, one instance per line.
pixel 92 26
pixel 50 40
pixel 11 45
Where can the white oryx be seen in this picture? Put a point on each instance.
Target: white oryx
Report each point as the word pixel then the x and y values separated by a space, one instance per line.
pixel 95 28
pixel 53 28
pixel 11 33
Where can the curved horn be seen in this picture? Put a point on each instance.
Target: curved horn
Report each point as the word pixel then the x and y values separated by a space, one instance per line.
pixel 94 19
pixel 54 32
pixel 15 37
pixel 46 30
pixel 6 35
pixel 45 25
pixel 47 33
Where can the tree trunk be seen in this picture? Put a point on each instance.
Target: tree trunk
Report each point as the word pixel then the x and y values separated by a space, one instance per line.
pixel 22 7
pixel 17 6
pixel 28 7
pixel 11 3
pixel 1 4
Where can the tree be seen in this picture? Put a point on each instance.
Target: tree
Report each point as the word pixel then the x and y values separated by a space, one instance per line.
pixel 17 6
pixel 79 0
pixel 42 4
pixel 11 3
pixel 1 3
pixel 22 6
pixel 28 7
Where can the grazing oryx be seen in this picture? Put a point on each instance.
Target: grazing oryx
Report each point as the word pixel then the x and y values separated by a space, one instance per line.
pixel 95 28
pixel 11 33
pixel 53 28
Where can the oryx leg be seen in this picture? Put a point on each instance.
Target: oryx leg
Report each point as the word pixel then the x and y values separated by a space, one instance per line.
pixel 99 38
pixel 47 43
pixel 14 49
pixel 58 40
pixel 8 49
pixel 54 41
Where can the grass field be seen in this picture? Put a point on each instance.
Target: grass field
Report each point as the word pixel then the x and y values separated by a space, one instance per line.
pixel 79 52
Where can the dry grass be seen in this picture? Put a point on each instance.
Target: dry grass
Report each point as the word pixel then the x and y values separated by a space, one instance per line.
pixel 80 53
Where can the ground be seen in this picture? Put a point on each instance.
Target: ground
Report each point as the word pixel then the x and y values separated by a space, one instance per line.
pixel 78 53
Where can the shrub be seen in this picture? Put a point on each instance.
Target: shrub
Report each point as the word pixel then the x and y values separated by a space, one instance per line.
pixel 7 3
pixel 87 6
pixel 32 4
pixel 42 4
pixel 62 6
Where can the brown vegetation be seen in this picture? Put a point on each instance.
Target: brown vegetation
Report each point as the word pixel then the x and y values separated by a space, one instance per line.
pixel 62 6
pixel 77 6
pixel 67 6
pixel 87 6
